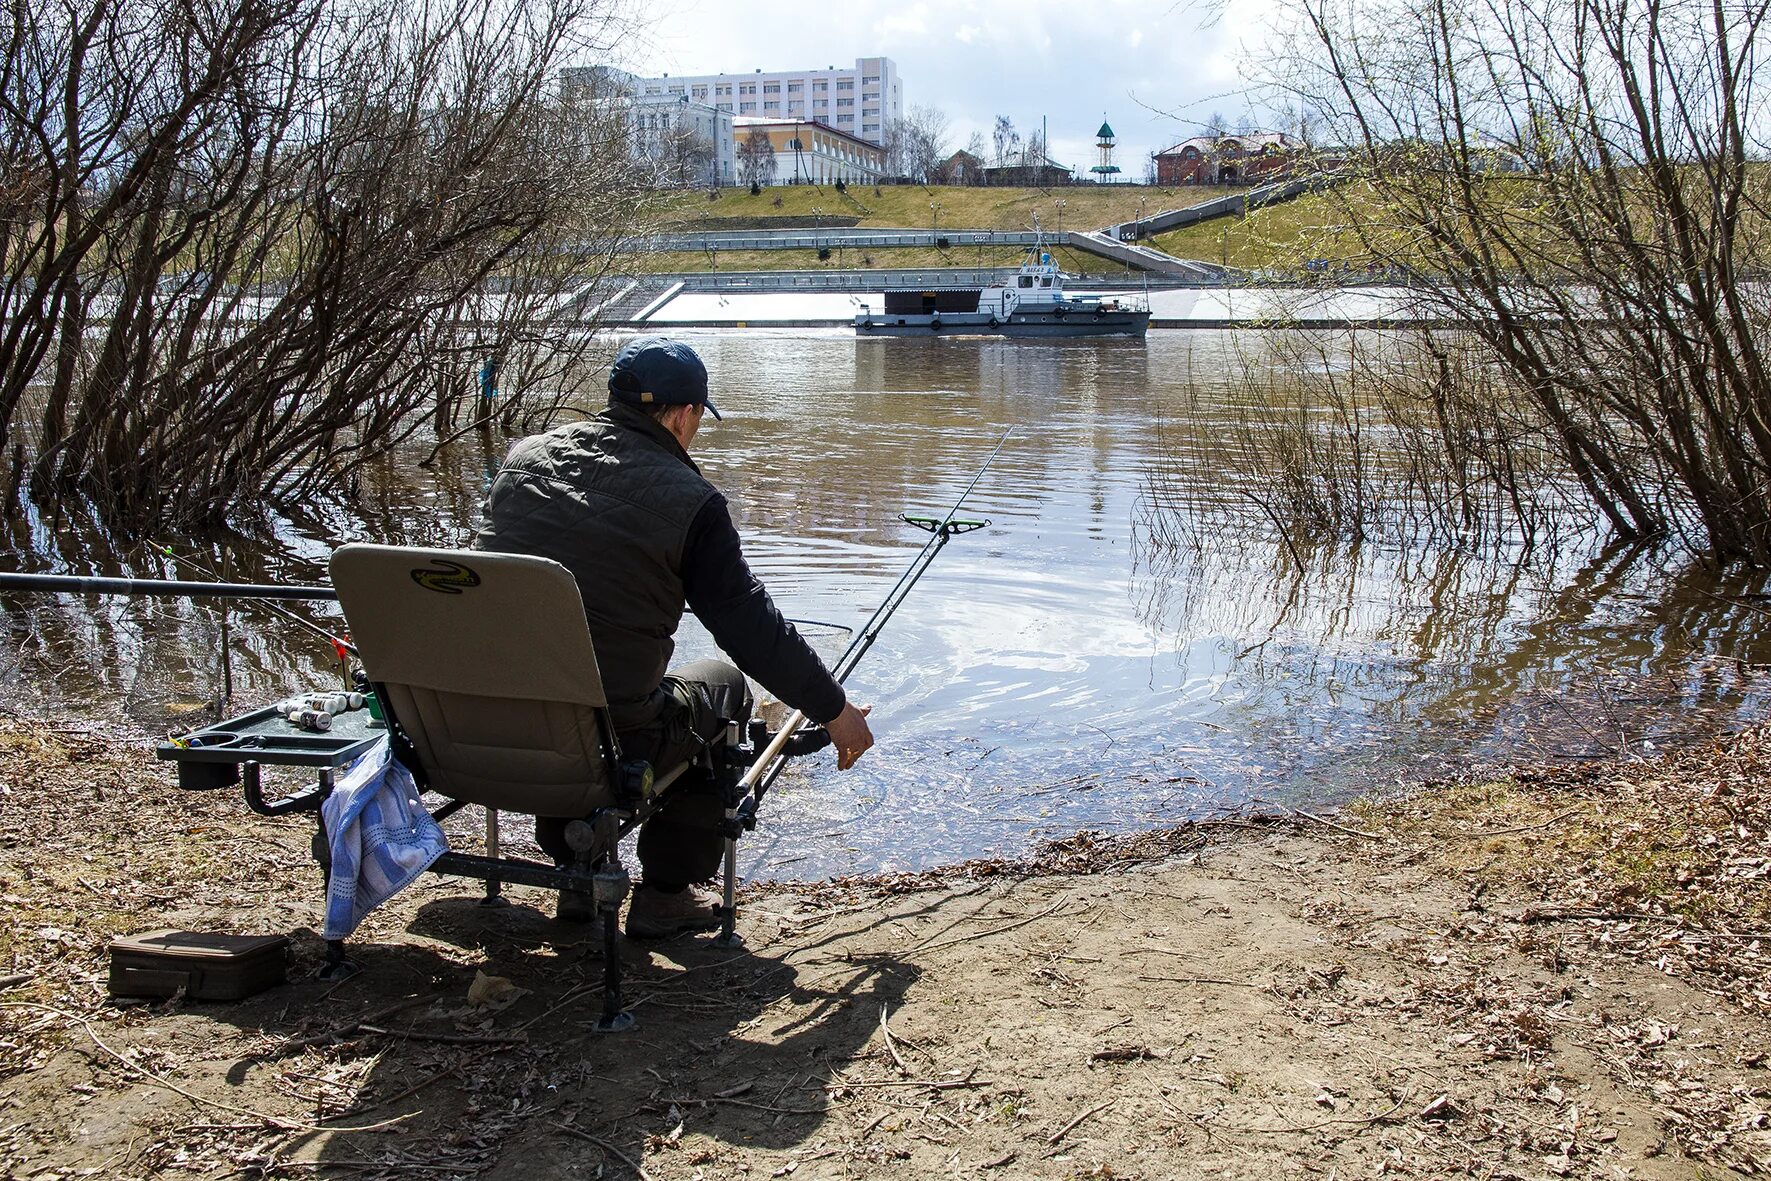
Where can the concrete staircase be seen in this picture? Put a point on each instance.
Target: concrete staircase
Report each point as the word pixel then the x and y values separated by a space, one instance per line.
pixel 1103 244
pixel 617 298
pixel 1235 204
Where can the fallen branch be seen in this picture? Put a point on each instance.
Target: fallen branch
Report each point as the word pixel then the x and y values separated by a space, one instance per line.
pixel 1328 1123
pixel 411 1090
pixel 452 1039
pixel 364 1166
pixel 569 1130
pixel 273 1121
pixel 1547 914
pixel 349 1027
pixel 886 1032
pixel 984 934
pixel 1073 1124
pixel 1501 832
pixel 936 1084
pixel 1200 980
pixel 1322 820
pixel 687 1100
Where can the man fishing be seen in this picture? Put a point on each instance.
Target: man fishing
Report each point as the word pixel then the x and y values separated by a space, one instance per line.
pixel 619 503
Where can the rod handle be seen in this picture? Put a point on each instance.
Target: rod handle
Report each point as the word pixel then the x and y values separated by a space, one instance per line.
pixel 772 751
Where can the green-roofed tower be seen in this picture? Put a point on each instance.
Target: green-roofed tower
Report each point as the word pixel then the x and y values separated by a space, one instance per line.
pixel 1105 169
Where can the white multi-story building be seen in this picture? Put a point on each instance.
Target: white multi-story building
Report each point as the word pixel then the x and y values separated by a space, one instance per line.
pixel 687 142
pixel 690 142
pixel 863 101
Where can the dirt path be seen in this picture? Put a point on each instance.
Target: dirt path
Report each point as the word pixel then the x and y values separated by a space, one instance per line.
pixel 1552 977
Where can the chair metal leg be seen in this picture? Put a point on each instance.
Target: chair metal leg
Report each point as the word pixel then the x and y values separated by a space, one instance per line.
pixel 338 966
pixel 728 912
pixel 610 890
pixel 613 1019
pixel 494 887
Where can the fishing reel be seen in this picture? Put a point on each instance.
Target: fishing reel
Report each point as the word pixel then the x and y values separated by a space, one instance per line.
pixel 636 779
pixel 806 740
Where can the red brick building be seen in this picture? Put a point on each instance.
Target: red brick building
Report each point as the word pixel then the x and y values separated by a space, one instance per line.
pixel 1228 159
pixel 961 168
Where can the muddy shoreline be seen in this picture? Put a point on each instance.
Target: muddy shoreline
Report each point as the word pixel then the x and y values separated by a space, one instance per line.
pixel 1559 972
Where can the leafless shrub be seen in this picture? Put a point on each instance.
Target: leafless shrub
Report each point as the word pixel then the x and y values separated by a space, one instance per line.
pixel 244 241
pixel 1581 187
pixel 1413 438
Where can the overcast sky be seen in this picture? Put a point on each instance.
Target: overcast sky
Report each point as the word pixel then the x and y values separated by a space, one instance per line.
pixel 1156 69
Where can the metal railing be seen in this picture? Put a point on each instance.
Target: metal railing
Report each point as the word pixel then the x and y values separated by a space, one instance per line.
pixel 839 236
pixel 929 279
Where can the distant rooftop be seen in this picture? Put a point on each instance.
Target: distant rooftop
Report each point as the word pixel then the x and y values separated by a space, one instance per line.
pixel 1259 139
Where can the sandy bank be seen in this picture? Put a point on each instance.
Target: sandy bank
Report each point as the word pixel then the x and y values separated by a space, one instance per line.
pixel 1565 974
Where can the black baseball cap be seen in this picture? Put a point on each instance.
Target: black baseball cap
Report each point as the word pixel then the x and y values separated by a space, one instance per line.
pixel 653 370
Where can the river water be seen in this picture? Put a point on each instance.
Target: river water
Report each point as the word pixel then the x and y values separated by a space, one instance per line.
pixel 1054 672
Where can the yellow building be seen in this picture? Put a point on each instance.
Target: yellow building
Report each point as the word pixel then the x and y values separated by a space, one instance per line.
pixel 809 152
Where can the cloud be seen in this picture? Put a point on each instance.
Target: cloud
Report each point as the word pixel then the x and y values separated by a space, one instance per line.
pixel 901 25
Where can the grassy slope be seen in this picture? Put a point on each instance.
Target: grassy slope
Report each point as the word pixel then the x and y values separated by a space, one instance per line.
pixel 1086 207
pixel 1285 235
pixel 1074 262
pixel 1316 226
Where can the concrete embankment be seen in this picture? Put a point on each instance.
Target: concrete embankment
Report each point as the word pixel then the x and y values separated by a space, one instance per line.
pixel 740 305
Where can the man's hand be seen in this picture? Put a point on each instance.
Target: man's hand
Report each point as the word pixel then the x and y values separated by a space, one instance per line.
pixel 850 735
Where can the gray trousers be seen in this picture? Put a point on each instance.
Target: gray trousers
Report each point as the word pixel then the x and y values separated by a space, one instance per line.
pixel 681 843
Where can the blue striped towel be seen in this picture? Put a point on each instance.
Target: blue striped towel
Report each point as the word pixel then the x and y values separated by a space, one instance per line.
pixel 382 838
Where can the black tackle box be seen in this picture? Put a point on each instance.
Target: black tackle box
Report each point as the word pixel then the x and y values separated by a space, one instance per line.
pixel 208 967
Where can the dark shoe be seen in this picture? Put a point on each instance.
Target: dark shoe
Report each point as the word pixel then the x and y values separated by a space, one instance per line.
pixel 575 907
pixel 654 914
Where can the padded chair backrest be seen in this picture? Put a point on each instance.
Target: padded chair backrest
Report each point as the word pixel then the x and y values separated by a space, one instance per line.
pixel 487 663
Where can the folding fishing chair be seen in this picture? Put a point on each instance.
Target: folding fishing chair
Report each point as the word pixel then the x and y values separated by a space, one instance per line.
pixel 484 668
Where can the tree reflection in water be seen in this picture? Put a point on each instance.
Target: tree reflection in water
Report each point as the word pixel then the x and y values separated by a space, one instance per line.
pixel 1131 643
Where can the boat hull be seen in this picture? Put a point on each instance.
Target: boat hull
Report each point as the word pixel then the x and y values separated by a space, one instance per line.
pixel 1022 323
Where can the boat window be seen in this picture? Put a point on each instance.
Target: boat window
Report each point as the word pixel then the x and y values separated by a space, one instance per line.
pixel 1026 280
pixel 1045 282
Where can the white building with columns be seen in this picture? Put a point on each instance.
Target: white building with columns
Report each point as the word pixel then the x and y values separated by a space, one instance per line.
pixel 863 100
pixel 687 142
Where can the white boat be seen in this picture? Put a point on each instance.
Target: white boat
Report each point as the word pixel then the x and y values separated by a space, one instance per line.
pixel 1031 302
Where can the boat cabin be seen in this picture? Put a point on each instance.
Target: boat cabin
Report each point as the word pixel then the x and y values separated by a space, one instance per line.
pixel 1037 284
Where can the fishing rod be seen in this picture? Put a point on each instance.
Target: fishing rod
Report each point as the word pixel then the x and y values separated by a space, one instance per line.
pixel 769 763
pixel 755 782
pixel 339 643
pixel 164 588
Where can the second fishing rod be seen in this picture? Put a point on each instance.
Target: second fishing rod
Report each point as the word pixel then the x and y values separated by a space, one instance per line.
pixel 741 812
pixel 770 762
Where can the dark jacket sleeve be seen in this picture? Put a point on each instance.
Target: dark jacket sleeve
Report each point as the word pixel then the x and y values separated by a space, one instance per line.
pixel 732 604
